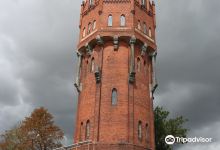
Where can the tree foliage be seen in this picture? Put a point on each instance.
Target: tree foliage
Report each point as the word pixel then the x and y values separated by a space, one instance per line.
pixel 165 126
pixel 36 132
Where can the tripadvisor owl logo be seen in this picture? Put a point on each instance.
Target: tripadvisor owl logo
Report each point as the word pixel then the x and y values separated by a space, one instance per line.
pixel 170 140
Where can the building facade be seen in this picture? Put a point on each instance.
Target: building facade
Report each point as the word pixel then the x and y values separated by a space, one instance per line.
pixel 116 75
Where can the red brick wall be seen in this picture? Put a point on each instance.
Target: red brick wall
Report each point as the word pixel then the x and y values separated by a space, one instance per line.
pixel 114 119
pixel 115 124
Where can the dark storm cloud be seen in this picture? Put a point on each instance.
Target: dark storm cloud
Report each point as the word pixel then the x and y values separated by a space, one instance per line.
pixel 188 62
pixel 38 64
pixel 42 36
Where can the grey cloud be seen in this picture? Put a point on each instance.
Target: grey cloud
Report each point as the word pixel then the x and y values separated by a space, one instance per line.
pixel 45 34
pixel 37 43
pixel 188 62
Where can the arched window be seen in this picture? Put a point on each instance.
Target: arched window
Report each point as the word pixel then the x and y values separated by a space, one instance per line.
pixel 89 28
pixel 87 130
pixel 86 68
pixel 92 68
pixel 90 2
pixel 138 64
pixel 145 68
pixel 84 32
pixel 122 20
pixel 110 21
pixel 145 28
pixel 114 96
pixel 149 32
pixel 81 130
pixel 94 25
pixel 139 25
pixel 139 130
pixel 143 2
pixel 147 132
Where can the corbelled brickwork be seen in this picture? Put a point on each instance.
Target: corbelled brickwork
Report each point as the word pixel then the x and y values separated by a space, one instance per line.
pixel 116 76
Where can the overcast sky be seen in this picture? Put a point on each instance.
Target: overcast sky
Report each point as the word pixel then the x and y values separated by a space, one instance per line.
pixel 38 63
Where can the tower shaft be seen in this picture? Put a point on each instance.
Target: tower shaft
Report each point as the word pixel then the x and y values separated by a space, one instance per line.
pixel 116 75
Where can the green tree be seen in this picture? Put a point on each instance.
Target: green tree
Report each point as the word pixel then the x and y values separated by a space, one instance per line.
pixel 165 126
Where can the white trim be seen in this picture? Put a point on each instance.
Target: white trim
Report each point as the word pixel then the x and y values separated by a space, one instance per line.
pixel 91 33
pixel 146 36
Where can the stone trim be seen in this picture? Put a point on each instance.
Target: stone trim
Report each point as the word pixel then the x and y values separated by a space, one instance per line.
pixel 132 67
pixel 98 75
pixel 88 49
pixel 77 84
pixel 99 40
pixel 144 49
pixel 115 42
pixel 144 35
pixel 154 82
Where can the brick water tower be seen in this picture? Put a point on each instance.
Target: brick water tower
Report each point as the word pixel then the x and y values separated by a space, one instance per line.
pixel 116 75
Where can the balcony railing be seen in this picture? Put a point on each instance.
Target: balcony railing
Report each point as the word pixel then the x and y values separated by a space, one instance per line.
pixel 89 145
pixel 74 146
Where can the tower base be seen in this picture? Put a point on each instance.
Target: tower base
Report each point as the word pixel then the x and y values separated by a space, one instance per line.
pixel 102 146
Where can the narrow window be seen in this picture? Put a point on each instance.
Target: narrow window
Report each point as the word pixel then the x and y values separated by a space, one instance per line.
pixel 147 132
pixel 145 68
pixel 145 28
pixel 87 129
pixel 89 28
pixel 143 2
pixel 138 64
pixel 114 97
pixel 150 33
pixel 139 25
pixel 80 132
pixel 94 25
pixel 90 2
pixel 122 20
pixel 86 68
pixel 139 130
pixel 92 67
pixel 110 20
pixel 84 32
